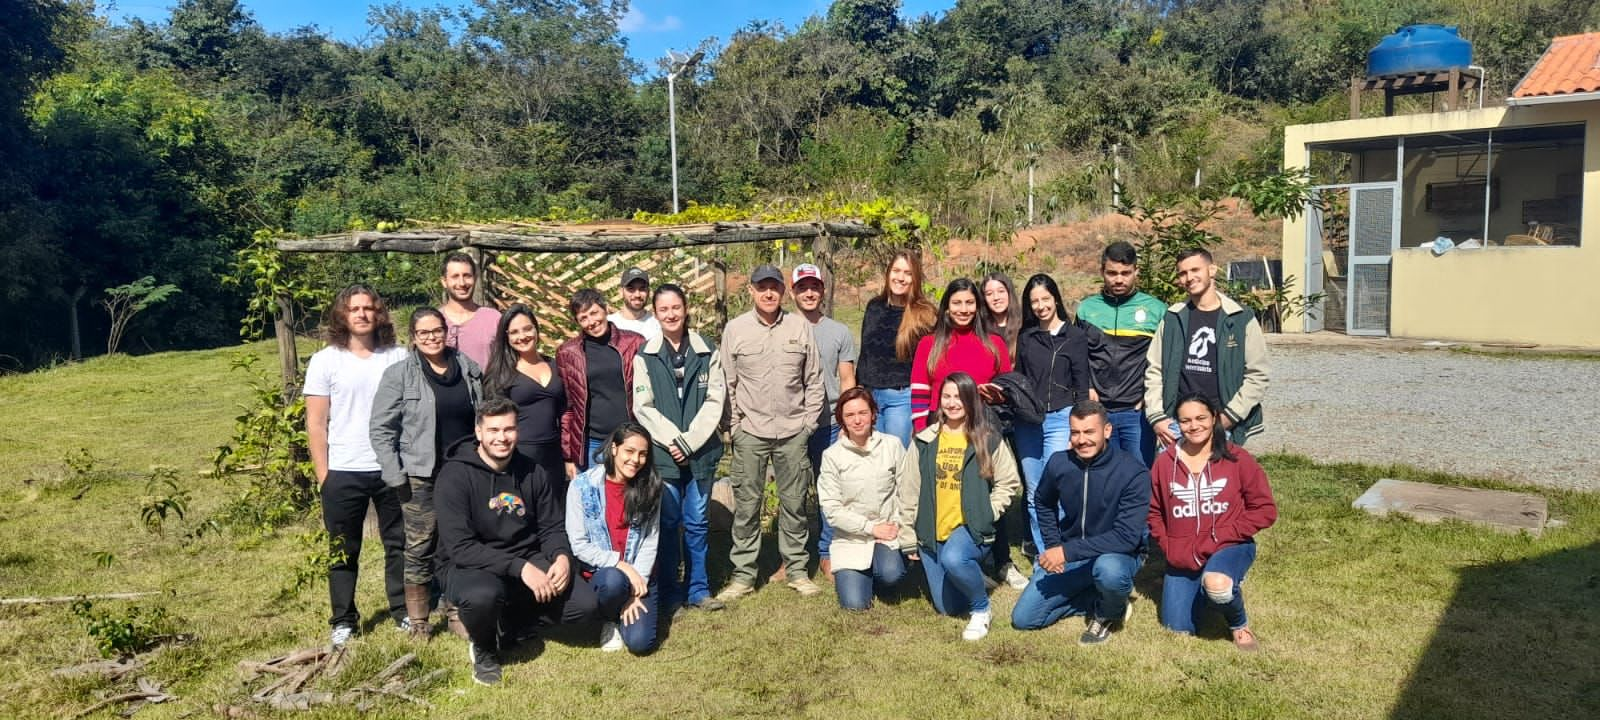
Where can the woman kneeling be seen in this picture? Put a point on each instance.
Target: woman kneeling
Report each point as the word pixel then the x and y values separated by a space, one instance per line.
pixel 968 478
pixel 868 491
pixel 1208 500
pixel 613 522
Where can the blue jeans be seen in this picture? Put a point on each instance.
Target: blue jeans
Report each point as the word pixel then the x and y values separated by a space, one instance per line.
pixel 821 438
pixel 955 574
pixel 894 412
pixel 591 455
pixel 1132 434
pixel 855 587
pixel 683 506
pixel 1035 444
pixel 614 592
pixel 1098 585
pixel 1183 597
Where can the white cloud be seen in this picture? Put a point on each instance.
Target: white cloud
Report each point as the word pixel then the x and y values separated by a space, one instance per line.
pixel 635 21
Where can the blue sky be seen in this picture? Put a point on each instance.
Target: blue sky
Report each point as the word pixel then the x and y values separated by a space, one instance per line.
pixel 651 26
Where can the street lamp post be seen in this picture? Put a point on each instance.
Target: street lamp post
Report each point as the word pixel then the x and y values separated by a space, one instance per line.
pixel 679 65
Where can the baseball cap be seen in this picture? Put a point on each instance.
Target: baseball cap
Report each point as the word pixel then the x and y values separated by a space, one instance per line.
pixel 806 270
pixel 634 273
pixel 766 272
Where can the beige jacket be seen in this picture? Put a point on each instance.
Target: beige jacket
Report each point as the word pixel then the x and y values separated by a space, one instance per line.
pixel 774 376
pixel 861 487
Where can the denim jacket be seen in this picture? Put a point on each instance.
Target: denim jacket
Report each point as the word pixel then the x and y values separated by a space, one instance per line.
pixel 586 527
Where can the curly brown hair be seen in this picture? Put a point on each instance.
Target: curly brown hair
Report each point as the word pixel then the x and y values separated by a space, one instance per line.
pixel 336 331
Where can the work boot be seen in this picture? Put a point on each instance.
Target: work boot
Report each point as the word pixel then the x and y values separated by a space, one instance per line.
pixel 452 619
pixel 418 600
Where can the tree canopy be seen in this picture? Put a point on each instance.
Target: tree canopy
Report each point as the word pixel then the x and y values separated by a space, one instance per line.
pixel 157 148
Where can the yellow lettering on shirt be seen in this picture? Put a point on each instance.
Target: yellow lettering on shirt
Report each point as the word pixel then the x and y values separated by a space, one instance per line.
pixel 947 493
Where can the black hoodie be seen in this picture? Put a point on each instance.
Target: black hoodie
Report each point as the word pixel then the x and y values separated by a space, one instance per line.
pixel 496 520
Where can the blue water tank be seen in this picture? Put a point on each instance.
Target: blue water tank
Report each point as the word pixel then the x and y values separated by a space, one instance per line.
pixel 1419 49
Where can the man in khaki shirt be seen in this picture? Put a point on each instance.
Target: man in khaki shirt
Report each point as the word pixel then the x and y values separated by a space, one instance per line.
pixel 775 395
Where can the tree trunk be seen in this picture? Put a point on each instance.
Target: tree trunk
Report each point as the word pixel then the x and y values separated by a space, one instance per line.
pixel 72 323
pixel 823 248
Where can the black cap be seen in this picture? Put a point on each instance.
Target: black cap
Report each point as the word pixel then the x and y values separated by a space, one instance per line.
pixel 635 273
pixel 766 272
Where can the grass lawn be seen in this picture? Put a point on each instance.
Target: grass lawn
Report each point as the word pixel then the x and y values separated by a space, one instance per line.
pixel 1358 618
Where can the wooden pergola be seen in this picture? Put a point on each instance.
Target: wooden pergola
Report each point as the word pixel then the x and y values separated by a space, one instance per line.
pixel 609 236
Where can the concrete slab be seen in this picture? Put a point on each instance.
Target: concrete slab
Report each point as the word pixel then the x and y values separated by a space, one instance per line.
pixel 1508 512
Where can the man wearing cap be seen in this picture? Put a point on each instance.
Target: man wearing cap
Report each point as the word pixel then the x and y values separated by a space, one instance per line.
pixel 634 314
pixel 836 350
pixel 776 398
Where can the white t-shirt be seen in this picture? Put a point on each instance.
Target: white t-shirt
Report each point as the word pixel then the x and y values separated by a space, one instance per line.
pixel 349 383
pixel 649 327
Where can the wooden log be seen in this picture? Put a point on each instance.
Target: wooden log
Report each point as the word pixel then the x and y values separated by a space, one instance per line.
pixel 70 598
pixel 574 242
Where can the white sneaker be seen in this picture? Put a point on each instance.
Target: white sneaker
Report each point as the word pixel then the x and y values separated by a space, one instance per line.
pixel 1015 578
pixel 341 635
pixel 977 627
pixel 610 637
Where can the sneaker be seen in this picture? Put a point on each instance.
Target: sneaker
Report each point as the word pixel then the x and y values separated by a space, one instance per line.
pixel 707 603
pixel 403 625
pixel 485 665
pixel 1098 632
pixel 804 586
pixel 734 591
pixel 1245 640
pixel 977 627
pixel 1015 578
pixel 610 637
pixel 341 635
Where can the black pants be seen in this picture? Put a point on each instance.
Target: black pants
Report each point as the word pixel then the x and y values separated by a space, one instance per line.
pixel 344 513
pixel 489 603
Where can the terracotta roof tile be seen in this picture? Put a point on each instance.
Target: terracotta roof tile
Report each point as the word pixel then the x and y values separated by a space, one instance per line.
pixel 1570 65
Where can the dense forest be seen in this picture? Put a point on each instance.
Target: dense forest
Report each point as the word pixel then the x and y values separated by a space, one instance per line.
pixel 158 148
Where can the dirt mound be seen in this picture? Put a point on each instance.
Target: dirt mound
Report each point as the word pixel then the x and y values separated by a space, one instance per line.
pixel 1070 252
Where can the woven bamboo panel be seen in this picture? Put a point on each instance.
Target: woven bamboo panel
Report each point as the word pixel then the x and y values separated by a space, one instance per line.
pixel 546 282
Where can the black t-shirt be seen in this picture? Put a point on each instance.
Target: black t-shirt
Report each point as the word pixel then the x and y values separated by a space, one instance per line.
pixel 608 399
pixel 539 408
pixel 1200 357
pixel 452 406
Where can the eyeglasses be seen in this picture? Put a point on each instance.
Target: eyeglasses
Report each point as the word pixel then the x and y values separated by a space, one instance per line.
pixel 429 334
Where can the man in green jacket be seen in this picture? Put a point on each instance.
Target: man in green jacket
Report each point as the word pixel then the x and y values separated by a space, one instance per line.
pixel 1211 345
pixel 1120 322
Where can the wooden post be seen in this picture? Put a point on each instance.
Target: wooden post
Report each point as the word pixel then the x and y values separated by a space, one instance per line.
pixel 719 271
pixel 480 291
pixel 1452 94
pixel 288 356
pixel 1355 98
pixel 823 248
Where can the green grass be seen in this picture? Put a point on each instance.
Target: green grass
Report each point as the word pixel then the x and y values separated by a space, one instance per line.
pixel 1359 618
pixel 1531 353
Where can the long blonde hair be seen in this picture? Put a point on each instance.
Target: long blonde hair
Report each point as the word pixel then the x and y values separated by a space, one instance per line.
pixel 920 313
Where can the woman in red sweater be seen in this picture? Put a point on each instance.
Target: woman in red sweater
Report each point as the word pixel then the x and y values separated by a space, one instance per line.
pixel 960 341
pixel 1208 500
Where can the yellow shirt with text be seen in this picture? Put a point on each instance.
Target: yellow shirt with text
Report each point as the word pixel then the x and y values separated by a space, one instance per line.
pixel 947 494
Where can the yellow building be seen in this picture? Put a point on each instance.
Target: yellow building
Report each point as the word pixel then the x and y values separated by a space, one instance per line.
pixel 1477 225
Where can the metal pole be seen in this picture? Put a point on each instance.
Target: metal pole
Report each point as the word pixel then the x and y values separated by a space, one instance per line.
pixel 1116 175
pixel 1030 193
pixel 672 133
pixel 1488 184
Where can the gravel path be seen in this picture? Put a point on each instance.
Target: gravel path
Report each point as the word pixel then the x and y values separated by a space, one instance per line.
pixel 1519 419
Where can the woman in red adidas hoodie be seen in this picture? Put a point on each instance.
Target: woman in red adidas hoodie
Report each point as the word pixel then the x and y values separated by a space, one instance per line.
pixel 961 341
pixel 1208 500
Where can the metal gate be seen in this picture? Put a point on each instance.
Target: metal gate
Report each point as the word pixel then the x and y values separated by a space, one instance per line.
pixel 1369 225
pixel 1374 236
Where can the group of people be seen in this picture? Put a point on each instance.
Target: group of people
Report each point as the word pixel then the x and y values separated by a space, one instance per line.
pixel 573 489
